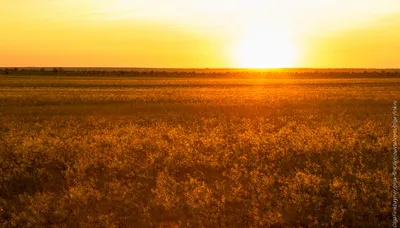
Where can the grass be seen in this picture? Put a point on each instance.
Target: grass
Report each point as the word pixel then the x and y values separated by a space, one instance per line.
pixel 218 151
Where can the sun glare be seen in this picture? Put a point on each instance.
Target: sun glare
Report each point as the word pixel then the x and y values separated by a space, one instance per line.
pixel 258 48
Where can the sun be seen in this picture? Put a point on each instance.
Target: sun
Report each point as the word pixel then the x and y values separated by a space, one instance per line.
pixel 264 48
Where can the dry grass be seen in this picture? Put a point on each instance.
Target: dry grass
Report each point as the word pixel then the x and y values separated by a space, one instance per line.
pixel 195 152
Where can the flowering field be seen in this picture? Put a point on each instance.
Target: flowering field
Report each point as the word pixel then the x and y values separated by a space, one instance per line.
pixel 85 151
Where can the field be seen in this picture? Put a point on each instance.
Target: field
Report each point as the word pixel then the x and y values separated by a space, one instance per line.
pixel 196 149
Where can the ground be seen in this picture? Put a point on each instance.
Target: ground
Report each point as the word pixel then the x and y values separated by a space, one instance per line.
pixel 197 150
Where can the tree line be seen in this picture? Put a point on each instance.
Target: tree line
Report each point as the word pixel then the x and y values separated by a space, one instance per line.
pixel 58 71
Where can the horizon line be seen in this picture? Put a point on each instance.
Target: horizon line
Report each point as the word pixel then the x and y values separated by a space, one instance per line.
pixel 203 68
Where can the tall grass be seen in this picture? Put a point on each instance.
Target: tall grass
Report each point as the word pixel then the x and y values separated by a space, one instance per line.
pixel 190 152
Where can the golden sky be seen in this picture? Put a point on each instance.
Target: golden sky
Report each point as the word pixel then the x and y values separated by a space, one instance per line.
pixel 207 33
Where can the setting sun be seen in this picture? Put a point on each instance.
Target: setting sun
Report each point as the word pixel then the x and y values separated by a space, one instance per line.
pixel 264 49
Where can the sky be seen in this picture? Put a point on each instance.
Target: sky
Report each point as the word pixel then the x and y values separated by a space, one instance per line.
pixel 200 34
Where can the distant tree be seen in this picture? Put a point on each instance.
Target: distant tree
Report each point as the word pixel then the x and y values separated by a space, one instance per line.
pixel 55 70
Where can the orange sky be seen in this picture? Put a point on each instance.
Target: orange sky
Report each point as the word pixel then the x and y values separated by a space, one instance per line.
pixel 188 33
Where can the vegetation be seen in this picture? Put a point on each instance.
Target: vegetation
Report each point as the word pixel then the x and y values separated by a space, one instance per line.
pixel 196 149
